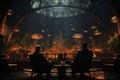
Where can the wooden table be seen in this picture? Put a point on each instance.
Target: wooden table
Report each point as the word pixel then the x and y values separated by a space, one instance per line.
pixel 62 69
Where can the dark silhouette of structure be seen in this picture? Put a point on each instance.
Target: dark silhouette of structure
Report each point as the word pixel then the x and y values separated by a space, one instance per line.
pixel 117 63
pixel 65 54
pixel 1 44
pixel 3 60
pixel 82 61
pixel 60 57
pixel 39 63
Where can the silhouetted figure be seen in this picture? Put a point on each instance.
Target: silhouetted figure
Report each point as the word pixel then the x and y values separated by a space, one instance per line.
pixel 82 61
pixel 1 43
pixel 60 56
pixel 65 54
pixel 39 63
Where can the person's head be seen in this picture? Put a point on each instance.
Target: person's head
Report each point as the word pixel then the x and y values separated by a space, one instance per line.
pixel 84 45
pixel 37 48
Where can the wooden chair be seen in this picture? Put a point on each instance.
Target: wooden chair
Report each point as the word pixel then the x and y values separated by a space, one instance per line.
pixel 37 65
pixel 33 65
pixel 83 68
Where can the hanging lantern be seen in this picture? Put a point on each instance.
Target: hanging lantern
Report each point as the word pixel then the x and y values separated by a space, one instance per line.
pixel 77 36
pixel 97 33
pixel 36 36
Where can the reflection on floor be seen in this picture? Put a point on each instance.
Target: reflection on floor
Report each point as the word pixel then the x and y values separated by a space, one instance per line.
pixel 25 75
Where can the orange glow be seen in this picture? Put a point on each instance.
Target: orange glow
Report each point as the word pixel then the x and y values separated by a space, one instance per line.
pixel 51 53
pixel 97 50
pixel 36 36
pixel 93 27
pixel 14 48
pixel 85 31
pixel 16 30
pixel 94 55
pixel 77 36
pixel 97 32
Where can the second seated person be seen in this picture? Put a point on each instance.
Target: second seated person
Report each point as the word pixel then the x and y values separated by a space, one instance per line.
pixel 82 61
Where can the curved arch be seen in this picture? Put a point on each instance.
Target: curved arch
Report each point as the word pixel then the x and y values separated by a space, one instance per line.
pixel 24 16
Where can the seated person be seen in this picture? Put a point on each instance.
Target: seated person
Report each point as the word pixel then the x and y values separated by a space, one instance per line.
pixel 60 56
pixel 82 61
pixel 39 63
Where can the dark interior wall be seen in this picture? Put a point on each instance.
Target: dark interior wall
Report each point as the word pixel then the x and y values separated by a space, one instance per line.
pixel 4 7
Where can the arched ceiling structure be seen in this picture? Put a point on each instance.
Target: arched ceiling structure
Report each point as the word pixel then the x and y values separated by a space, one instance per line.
pixel 50 17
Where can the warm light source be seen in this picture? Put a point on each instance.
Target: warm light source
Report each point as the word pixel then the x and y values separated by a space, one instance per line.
pixel 114 19
pixel 85 31
pixel 49 35
pixel 9 12
pixel 36 36
pixel 77 36
pixel 93 27
pixel 97 33
pixel 16 30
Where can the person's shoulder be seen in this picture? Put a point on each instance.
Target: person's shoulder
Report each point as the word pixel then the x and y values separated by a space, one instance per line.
pixel 90 51
pixel 41 53
pixel 79 52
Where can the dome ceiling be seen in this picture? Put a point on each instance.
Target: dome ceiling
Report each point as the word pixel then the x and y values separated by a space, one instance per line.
pixel 60 8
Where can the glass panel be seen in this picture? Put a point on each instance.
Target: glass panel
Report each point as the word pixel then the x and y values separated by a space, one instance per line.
pixel 60 8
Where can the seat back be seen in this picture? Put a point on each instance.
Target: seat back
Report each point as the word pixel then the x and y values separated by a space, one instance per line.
pixel 38 63
pixel 34 63
pixel 83 62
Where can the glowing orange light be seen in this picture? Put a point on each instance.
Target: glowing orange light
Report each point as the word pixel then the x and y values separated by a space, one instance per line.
pixel 97 32
pixel 17 30
pixel 36 36
pixel 77 36
pixel 93 27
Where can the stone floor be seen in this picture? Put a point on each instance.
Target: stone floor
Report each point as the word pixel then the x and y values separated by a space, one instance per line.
pixel 95 75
